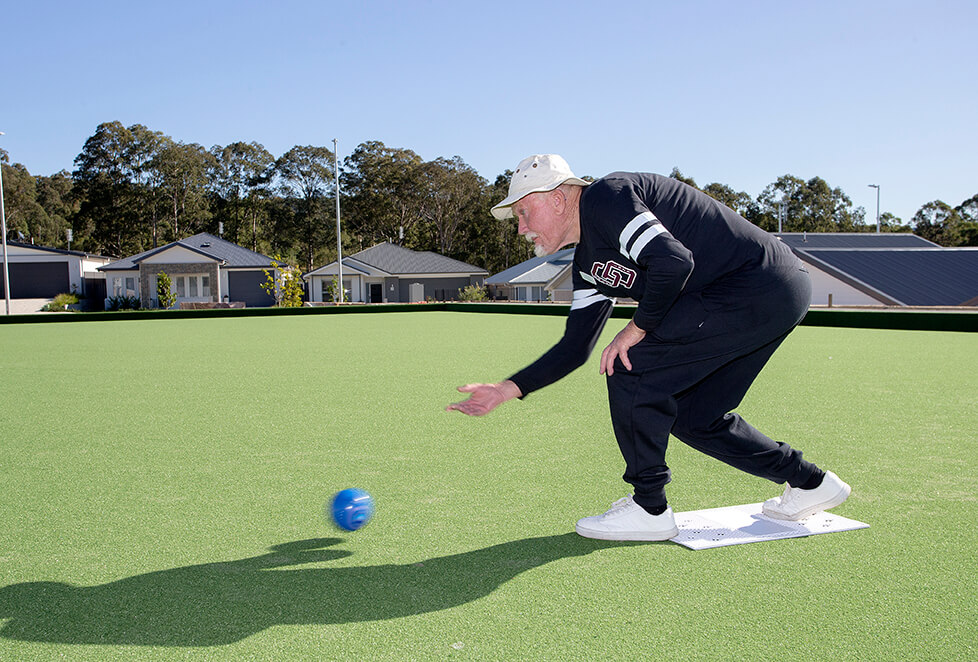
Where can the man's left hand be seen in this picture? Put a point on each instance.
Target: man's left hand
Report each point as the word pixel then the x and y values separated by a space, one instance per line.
pixel 628 337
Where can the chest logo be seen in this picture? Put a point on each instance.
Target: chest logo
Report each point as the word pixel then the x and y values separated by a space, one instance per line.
pixel 612 274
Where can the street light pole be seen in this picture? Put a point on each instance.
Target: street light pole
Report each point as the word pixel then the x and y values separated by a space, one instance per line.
pixel 3 223
pixel 339 243
pixel 877 187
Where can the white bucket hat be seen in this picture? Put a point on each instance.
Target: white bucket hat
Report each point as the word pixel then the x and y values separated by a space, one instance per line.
pixel 540 172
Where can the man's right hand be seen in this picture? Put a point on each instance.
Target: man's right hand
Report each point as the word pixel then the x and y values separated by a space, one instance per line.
pixel 484 397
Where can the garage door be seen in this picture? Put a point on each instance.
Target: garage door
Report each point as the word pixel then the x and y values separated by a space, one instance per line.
pixel 246 286
pixel 36 280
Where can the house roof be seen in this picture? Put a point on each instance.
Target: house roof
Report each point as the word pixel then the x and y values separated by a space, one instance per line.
pixel 809 240
pixel 59 251
pixel 911 276
pixel 209 246
pixel 536 270
pixel 394 260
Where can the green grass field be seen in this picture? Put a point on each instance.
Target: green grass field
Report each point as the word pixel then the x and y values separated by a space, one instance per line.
pixel 162 487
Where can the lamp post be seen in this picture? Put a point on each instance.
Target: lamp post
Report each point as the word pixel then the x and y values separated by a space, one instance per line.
pixel 3 223
pixel 339 243
pixel 877 187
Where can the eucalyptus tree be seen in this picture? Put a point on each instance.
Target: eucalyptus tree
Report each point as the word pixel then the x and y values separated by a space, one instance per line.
pixel 807 206
pixel 26 218
pixel 181 172
pixel 937 221
pixel 305 176
pixel 739 201
pixel 239 180
pixel 114 189
pixel 382 193
pixel 451 198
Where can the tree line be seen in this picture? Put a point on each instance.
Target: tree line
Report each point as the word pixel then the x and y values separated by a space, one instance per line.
pixel 133 189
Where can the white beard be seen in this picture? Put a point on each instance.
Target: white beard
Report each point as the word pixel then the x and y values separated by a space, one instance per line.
pixel 538 250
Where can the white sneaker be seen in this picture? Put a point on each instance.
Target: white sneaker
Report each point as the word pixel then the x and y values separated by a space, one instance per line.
pixel 796 504
pixel 626 520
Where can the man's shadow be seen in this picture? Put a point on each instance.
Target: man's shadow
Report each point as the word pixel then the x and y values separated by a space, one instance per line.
pixel 220 603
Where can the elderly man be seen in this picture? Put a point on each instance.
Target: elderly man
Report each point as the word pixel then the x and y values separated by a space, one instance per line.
pixel 716 296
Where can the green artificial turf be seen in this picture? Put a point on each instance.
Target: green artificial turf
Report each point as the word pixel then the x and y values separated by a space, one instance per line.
pixel 163 482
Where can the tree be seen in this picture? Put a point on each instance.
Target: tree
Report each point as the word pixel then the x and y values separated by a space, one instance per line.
pixel 239 178
pixel 968 229
pixel 382 188
pixel 493 244
pixel 811 206
pixel 306 180
pixel 181 171
pixel 740 202
pixel 677 175
pixel 452 193
pixel 55 196
pixel 937 221
pixel 113 189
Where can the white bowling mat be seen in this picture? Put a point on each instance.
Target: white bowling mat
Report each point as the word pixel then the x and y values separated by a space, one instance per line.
pixel 736 525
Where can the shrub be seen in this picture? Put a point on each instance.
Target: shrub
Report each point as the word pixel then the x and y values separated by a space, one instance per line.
pixel 287 288
pixel 164 290
pixel 123 302
pixel 331 291
pixel 61 302
pixel 473 293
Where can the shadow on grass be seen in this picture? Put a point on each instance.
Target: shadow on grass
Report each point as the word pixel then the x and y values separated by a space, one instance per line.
pixel 220 603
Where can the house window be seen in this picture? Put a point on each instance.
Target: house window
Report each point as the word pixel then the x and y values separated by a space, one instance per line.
pixel 192 286
pixel 124 286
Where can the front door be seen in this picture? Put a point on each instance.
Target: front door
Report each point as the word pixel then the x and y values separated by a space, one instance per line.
pixel 376 293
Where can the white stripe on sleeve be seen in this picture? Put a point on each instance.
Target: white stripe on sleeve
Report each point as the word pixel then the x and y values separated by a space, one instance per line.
pixel 644 239
pixel 584 298
pixel 634 226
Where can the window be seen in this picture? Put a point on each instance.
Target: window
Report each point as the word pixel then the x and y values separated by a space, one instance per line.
pixel 192 286
pixel 123 286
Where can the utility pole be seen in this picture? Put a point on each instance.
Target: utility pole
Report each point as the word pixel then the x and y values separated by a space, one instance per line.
pixel 877 187
pixel 3 223
pixel 339 242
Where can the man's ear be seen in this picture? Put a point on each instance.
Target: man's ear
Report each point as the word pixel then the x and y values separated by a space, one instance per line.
pixel 558 200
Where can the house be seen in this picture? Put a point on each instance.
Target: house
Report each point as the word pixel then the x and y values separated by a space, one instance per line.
pixel 895 269
pixel 203 269
pixel 388 273
pixel 528 281
pixel 40 272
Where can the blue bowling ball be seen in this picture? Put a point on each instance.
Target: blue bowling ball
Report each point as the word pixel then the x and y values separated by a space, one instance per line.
pixel 351 508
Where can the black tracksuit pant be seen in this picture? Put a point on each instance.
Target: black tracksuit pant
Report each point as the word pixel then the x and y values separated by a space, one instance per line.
pixel 695 368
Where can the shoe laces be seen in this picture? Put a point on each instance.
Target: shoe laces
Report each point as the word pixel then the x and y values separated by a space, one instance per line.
pixel 788 496
pixel 623 504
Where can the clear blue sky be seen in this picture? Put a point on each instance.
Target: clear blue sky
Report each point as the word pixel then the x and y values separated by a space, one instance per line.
pixel 739 92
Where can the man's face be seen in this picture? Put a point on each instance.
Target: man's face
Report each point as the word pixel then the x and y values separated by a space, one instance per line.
pixel 539 221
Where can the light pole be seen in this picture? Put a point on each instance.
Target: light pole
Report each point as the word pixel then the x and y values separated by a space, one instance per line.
pixel 877 187
pixel 339 243
pixel 3 223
